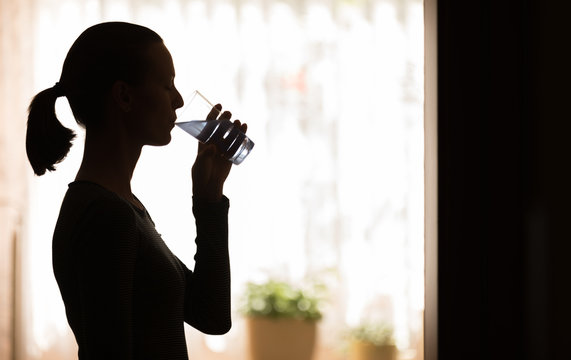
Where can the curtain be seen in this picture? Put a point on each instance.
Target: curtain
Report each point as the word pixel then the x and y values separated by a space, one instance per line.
pixel 15 55
pixel 332 91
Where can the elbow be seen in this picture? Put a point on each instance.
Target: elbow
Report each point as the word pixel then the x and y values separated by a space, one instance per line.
pixel 222 328
pixel 214 320
pixel 218 328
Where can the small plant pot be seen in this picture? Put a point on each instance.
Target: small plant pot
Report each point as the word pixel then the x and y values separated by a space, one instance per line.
pixel 281 339
pixel 361 350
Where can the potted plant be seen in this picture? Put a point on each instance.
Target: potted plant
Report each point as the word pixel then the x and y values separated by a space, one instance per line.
pixel 281 320
pixel 372 341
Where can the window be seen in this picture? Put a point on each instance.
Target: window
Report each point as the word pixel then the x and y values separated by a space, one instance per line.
pixel 334 189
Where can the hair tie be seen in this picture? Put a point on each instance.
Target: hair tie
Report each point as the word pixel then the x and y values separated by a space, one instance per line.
pixel 58 89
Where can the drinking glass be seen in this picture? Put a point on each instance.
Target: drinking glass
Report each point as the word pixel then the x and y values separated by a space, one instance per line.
pixel 199 118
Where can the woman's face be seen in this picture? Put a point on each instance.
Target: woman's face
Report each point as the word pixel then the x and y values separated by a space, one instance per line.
pixel 155 101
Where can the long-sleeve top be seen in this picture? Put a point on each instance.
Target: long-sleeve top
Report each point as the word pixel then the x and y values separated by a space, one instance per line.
pixel 126 294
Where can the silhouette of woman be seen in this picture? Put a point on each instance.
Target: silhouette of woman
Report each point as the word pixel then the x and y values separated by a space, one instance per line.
pixel 126 294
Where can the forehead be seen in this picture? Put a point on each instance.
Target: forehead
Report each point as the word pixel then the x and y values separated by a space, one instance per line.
pixel 160 60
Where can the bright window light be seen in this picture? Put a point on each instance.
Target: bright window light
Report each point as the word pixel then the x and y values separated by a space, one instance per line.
pixel 332 92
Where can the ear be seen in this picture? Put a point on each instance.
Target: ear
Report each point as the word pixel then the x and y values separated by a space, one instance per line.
pixel 121 94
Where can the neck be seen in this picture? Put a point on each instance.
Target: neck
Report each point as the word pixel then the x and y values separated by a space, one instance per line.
pixel 109 159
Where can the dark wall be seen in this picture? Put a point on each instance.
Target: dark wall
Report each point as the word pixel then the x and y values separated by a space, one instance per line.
pixel 504 128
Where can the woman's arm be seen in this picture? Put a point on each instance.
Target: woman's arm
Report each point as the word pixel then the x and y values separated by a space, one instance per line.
pixel 207 302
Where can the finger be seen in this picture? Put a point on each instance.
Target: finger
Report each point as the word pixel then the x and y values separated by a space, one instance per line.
pixel 213 114
pixel 243 127
pixel 237 142
pixel 230 137
pixel 226 115
pixel 240 126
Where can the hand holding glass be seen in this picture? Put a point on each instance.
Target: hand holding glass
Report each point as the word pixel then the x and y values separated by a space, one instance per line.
pixel 229 139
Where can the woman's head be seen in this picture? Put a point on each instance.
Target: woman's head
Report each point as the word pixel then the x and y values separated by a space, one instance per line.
pixel 102 55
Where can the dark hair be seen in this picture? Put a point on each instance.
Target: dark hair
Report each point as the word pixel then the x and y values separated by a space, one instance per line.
pixel 101 55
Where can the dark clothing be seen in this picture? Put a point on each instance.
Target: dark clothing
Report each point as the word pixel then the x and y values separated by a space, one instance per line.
pixel 126 294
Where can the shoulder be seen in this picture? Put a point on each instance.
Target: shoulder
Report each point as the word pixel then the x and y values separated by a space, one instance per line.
pixel 91 209
pixel 94 227
pixel 84 197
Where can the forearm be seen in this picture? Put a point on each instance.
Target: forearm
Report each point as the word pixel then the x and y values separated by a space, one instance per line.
pixel 208 308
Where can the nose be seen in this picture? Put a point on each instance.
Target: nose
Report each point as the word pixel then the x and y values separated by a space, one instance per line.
pixel 178 100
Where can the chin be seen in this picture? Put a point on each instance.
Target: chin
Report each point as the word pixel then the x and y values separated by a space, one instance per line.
pixel 167 141
pixel 161 142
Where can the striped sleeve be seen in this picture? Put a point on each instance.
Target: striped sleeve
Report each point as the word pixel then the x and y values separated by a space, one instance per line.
pixel 207 293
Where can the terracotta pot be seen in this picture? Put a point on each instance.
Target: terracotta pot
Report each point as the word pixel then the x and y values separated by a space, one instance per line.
pixel 281 339
pixel 361 350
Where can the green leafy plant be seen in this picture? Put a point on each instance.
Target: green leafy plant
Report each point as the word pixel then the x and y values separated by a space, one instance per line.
pixel 279 299
pixel 378 334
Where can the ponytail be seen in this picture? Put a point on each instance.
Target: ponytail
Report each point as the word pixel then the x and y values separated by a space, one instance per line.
pixel 102 54
pixel 47 140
